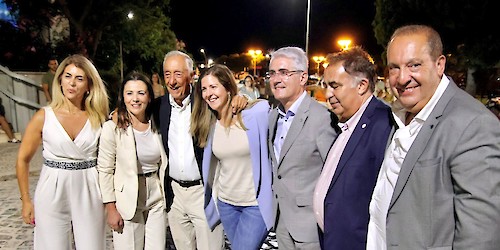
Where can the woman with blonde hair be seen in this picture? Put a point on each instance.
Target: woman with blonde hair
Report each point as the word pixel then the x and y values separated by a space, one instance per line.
pixel 67 197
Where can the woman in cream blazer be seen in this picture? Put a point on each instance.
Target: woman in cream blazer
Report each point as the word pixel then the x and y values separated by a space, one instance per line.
pixel 131 165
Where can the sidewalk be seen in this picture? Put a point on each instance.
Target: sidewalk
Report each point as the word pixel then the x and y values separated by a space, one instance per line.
pixel 8 156
pixel 14 234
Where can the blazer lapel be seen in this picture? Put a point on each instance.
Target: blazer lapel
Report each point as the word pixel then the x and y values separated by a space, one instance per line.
pixel 420 143
pixel 356 136
pixel 297 125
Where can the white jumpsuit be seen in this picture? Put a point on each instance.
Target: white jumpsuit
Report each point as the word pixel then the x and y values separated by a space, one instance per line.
pixel 67 198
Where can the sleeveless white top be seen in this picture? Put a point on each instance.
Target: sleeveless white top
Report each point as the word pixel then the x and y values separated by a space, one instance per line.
pixel 58 146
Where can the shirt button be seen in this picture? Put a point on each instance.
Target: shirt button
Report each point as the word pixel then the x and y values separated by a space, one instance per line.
pixel 279 176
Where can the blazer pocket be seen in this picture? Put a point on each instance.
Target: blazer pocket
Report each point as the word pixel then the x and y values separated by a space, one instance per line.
pixel 427 163
pixel 303 201
pixel 440 248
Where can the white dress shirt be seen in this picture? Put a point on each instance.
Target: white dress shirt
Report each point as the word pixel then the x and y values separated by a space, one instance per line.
pixel 389 171
pixel 181 159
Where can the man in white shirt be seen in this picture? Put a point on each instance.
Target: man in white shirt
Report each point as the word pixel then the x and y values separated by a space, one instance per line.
pixel 183 185
pixel 439 184
pixel 346 183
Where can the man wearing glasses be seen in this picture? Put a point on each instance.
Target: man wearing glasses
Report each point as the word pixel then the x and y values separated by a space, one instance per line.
pixel 300 135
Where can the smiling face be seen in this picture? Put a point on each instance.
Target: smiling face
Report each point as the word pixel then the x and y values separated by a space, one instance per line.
pixel 286 88
pixel 344 92
pixel 413 74
pixel 214 93
pixel 74 83
pixel 177 78
pixel 136 98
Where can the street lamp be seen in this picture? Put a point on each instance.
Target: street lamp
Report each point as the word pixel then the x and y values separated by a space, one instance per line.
pixel 344 44
pixel 307 25
pixel 318 60
pixel 130 16
pixel 204 56
pixel 254 54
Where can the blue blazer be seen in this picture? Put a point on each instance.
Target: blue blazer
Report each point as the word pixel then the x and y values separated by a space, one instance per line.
pixel 257 123
pixel 348 197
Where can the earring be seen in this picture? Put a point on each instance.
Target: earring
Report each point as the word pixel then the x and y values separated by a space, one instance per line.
pixel 88 92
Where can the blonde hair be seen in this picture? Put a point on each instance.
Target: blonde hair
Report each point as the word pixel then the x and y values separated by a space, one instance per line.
pixel 96 102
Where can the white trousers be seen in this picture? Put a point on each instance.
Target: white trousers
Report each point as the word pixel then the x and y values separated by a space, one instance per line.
pixel 188 223
pixel 66 201
pixel 148 228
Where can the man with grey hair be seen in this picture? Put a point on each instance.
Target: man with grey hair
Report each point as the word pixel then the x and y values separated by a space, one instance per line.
pixel 183 185
pixel 300 135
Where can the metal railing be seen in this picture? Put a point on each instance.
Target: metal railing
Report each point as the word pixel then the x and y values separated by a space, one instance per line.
pixel 21 97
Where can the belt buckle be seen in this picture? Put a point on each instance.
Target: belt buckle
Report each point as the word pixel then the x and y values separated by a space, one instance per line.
pixel 187 184
pixel 149 174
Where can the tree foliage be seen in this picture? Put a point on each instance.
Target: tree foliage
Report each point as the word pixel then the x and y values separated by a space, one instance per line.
pixel 461 23
pixel 96 30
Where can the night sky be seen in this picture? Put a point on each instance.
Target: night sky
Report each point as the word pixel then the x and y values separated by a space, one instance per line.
pixel 224 27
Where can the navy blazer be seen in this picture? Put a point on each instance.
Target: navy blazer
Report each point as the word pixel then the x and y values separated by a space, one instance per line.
pixel 346 214
pixel 162 110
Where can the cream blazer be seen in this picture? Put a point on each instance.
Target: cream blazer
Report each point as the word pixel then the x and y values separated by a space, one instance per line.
pixel 117 168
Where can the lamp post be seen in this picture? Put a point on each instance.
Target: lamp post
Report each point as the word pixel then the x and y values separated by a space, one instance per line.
pixel 204 56
pixel 254 54
pixel 307 26
pixel 318 60
pixel 130 16
pixel 344 44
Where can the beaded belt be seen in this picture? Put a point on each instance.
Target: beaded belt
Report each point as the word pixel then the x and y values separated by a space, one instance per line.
pixel 71 165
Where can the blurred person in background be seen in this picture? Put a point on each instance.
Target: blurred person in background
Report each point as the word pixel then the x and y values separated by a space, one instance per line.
pixel 5 125
pixel 249 89
pixel 67 197
pixel 48 78
pixel 158 87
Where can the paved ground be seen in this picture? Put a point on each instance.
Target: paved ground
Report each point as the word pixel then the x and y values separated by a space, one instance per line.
pixel 14 234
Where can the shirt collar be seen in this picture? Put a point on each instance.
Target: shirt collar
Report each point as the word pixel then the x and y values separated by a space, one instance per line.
pixel 185 102
pixel 353 121
pixel 293 109
pixel 399 112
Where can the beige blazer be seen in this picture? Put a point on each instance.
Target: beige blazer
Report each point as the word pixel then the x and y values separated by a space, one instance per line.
pixel 117 168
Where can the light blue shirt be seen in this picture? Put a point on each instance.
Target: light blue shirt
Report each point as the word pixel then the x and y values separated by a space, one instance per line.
pixel 284 123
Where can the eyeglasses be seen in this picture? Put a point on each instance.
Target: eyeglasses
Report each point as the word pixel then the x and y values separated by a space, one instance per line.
pixel 283 73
